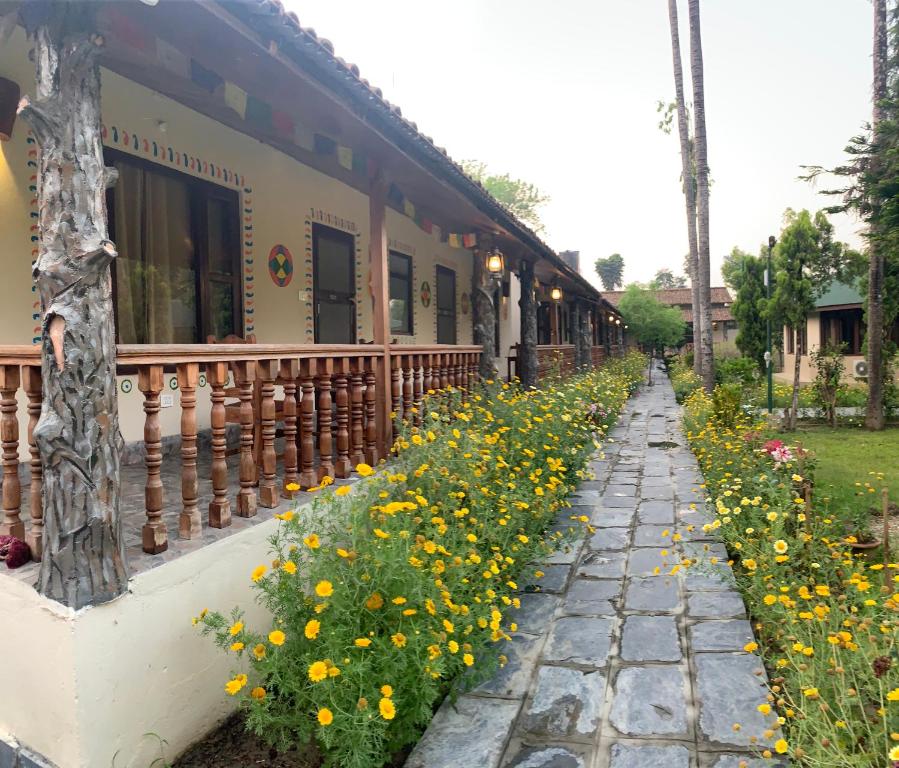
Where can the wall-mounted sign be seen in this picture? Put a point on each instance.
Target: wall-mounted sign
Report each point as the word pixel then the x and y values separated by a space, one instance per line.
pixel 280 266
pixel 426 294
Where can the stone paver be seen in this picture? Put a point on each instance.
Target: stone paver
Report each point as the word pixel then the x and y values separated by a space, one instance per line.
pixel 618 662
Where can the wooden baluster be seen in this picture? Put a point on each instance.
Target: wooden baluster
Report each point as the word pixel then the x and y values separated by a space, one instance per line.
pixel 307 424
pixel 371 419
pixel 463 373
pixel 407 363
pixel 31 383
pixel 325 448
pixel 245 378
pixel 288 373
pixel 190 525
pixel 444 371
pixel 418 388
pixel 435 373
pixel 342 466
pixel 151 381
pixel 474 366
pixel 11 525
pixel 269 493
pixel 357 414
pixel 396 386
pixel 456 372
pixel 220 506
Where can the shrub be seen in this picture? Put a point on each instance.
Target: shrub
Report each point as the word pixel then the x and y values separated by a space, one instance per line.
pixel 388 594
pixel 737 370
pixel 683 378
pixel 828 362
pixel 727 402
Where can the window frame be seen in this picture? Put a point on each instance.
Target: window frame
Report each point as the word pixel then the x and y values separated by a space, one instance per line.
pixel 410 287
pixel 338 234
pixel 446 272
pixel 200 192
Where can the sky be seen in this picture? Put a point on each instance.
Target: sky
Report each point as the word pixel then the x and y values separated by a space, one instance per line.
pixel 563 94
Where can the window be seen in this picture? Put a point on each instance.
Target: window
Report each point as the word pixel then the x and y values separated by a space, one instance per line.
pixel 790 340
pixel 400 293
pixel 334 285
pixel 544 323
pixel 844 327
pixel 177 276
pixel 446 305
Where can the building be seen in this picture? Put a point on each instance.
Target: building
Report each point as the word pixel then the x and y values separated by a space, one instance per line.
pixel 296 262
pixel 724 327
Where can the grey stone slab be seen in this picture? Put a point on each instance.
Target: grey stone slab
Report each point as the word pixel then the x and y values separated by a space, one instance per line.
pixel 610 538
pixel 553 580
pixel 565 704
pixel 656 513
pixel 473 732
pixel 729 687
pixel 535 613
pixel 592 597
pixel 624 502
pixel 29 759
pixel 588 498
pixel 580 640
pixel 511 680
pixel 703 578
pixel 636 756
pixel 729 635
pixel 650 638
pixel 655 482
pixel 656 470
pixel 624 491
pixel 705 552
pixel 644 562
pixel 8 754
pixel 652 593
pixel 650 701
pixel 549 757
pixel 565 555
pixel 657 492
pixel 612 517
pixel 651 536
pixel 744 760
pixel 715 605
pixel 602 565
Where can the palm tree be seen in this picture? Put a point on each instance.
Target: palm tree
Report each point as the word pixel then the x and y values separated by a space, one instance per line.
pixel 874 417
pixel 702 208
pixel 689 182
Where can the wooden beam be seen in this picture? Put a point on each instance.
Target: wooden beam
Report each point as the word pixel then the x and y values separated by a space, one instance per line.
pixel 379 266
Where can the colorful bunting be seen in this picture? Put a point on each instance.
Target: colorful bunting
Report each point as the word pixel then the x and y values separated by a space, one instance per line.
pixel 172 59
pixel 324 145
pixel 345 157
pixel 259 113
pixel 236 98
pixel 283 124
pixel 408 208
pixel 205 78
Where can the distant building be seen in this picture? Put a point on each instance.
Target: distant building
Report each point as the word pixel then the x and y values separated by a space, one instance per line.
pixel 572 259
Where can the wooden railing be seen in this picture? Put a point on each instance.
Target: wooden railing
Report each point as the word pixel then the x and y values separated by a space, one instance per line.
pixel 598 355
pixel 555 359
pixel 328 417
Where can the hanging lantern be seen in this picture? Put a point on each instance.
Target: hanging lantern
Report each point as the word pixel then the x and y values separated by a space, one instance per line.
pixel 556 293
pixel 9 103
pixel 495 263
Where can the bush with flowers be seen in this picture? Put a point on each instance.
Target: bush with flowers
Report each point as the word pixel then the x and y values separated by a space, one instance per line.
pixel 826 618
pixel 390 593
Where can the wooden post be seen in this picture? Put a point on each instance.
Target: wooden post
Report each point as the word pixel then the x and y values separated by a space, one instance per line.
pixel 190 525
pixel 408 373
pixel 417 389
pixel 483 312
pixel 342 466
pixel 357 413
pixel 11 524
pixel 325 447
pixel 31 382
pixel 288 374
pixel 269 493
pixel 379 282
pixel 245 377
pixel 396 385
pixel 151 381
pixel 307 424
pixel 371 407
pixel 526 362
pixel 220 506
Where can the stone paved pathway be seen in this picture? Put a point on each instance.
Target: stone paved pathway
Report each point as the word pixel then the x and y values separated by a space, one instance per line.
pixel 617 663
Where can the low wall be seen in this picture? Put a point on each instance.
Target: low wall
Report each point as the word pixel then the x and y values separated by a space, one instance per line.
pixel 85 688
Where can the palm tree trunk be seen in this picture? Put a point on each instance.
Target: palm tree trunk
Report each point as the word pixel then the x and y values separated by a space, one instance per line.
pixel 689 181
pixel 702 208
pixel 797 364
pixel 874 417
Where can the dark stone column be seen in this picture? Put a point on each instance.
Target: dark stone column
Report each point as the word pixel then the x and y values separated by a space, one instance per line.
pixel 527 348
pixel 483 315
pixel 584 338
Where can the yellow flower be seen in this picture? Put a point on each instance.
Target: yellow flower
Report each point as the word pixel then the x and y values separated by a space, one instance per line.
pixel 893 695
pixel 342 491
pixel 259 651
pixel 894 753
pixel 232 687
pixel 399 639
pixel 325 716
pixel 386 691
pixel 312 541
pixel 258 572
pixel 381 534
pixel 236 647
pixel 235 628
pixel 258 693
pixel 290 567
pixel 374 602
pixel 781 746
pixel 362 642
pixel 388 711
pixel 750 647
pixel 318 671
pixel 467 659
pixel 765 709
pixel 276 637
pixel 288 515
pixel 312 628
pixel 363 470
pixel 324 588
pixel 780 546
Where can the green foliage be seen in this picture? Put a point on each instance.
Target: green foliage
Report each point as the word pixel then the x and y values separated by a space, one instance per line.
pixel 651 323
pixel 683 378
pixel 610 271
pixel 390 593
pixel 521 198
pixel 665 279
pixel 736 370
pixel 727 400
pixel 828 363
pixel 745 274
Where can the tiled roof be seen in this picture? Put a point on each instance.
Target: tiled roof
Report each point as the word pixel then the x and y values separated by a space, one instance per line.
pixel 839 294
pixel 270 19
pixel 719 314
pixel 675 296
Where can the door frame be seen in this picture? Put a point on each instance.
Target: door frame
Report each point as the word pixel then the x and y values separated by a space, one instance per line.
pixel 350 239
pixel 446 271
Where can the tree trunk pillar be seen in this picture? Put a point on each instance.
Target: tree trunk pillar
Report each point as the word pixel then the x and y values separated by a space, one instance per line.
pixel 483 313
pixel 526 364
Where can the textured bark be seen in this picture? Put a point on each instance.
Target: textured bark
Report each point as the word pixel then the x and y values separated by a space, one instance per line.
pixel 527 348
pixel 797 365
pixel 874 416
pixel 689 183
pixel 702 208
pixel 78 431
pixel 483 316
pixel 583 339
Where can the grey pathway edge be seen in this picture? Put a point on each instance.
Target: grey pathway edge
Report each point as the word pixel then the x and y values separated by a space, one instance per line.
pixel 617 662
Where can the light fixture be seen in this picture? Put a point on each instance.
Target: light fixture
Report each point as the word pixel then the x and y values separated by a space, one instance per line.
pixel 9 103
pixel 556 293
pixel 495 263
pixel 611 318
pixel 618 322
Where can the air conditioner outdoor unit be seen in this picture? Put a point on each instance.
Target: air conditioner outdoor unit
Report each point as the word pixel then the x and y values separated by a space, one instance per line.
pixel 861 369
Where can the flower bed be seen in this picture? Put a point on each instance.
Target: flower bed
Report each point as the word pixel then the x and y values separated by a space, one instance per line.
pixel 389 594
pixel 825 617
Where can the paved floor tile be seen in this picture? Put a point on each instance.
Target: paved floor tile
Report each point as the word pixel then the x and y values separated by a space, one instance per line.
pixel 650 701
pixel 565 703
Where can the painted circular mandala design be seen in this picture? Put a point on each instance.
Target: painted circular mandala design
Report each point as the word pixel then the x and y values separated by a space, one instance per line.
pixel 280 266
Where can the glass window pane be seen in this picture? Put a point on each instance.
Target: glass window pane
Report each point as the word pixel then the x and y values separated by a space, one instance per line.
pixel 334 264
pixel 399 264
pixel 221 310
pixel 446 329
pixel 446 289
pixel 220 222
pixel 335 323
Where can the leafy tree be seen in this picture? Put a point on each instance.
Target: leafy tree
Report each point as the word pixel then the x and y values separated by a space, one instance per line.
pixel 745 275
pixel 665 279
pixel 610 270
pixel 806 260
pixel 520 197
pixel 651 323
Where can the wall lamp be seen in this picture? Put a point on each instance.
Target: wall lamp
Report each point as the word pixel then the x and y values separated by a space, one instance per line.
pixel 9 103
pixel 556 293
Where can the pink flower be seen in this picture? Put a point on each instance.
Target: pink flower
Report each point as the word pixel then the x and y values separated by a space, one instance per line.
pixel 773 445
pixel 14 551
pixel 781 454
